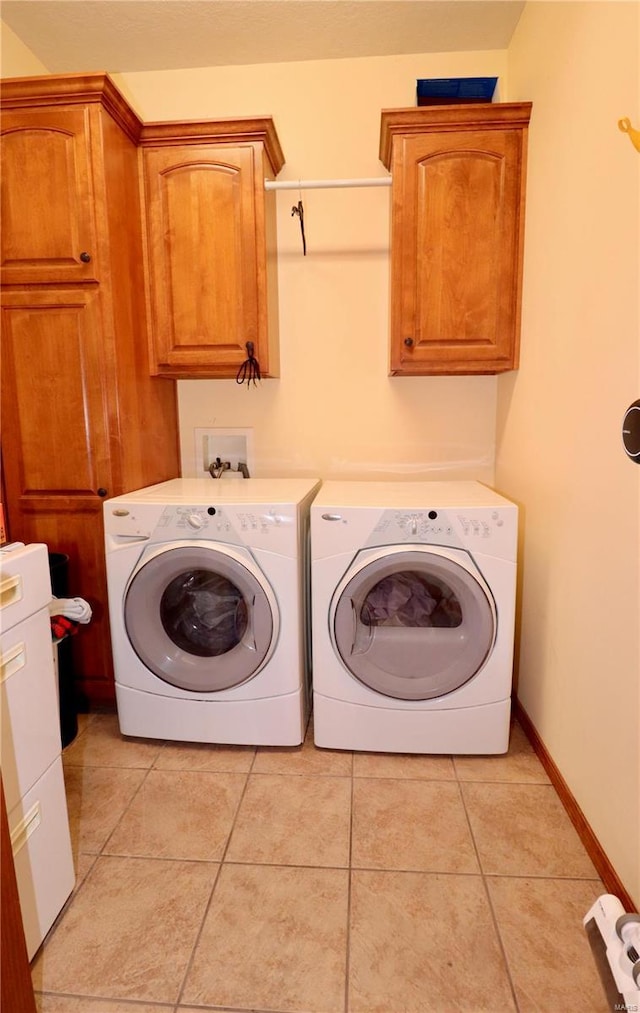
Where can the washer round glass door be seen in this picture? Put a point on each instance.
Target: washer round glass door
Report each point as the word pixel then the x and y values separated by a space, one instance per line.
pixel 199 617
pixel 413 624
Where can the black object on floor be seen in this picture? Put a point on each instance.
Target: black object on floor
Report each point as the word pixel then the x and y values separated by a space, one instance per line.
pixel 59 568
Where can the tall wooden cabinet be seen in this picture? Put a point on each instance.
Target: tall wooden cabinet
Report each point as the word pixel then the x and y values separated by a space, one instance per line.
pixel 457 226
pixel 82 418
pixel 211 245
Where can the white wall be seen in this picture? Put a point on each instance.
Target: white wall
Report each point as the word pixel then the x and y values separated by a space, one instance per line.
pixel 16 60
pixel 559 449
pixel 334 411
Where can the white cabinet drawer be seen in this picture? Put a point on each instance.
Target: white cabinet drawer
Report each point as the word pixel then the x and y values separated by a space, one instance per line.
pixel 25 583
pixel 41 845
pixel 29 712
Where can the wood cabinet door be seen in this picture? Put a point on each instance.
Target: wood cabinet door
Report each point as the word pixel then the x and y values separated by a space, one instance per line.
pixel 16 989
pixel 48 226
pixel 456 252
pixel 59 440
pixel 205 247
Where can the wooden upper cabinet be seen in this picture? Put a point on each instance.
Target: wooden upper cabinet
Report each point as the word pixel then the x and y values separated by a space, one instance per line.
pixel 457 228
pixel 211 245
pixel 54 226
pixel 210 232
pixel 46 170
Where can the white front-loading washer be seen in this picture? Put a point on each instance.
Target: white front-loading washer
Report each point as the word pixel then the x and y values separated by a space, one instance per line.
pixel 208 609
pixel 413 607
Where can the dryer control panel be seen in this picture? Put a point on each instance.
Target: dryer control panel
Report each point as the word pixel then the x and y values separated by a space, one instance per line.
pixel 491 531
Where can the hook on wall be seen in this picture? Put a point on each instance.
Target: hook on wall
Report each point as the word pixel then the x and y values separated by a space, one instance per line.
pixel 634 135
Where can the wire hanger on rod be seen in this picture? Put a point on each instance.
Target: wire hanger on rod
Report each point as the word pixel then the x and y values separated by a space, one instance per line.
pixel 316 184
pixel 299 210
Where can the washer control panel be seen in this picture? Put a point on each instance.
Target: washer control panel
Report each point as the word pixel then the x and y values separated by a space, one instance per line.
pixel 272 527
pixel 483 527
pixel 187 521
pixel 422 525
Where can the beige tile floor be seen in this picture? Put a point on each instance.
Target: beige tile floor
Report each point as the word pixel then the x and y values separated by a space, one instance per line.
pixel 312 881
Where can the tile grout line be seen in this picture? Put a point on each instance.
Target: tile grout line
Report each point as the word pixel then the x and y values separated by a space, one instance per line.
pixel 219 862
pixel 99 854
pixel 347 964
pixel 505 957
pixel 95 855
pixel 130 802
pixel 209 903
pixel 485 887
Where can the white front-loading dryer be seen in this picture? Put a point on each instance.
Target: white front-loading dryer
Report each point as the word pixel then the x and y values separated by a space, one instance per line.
pixel 413 605
pixel 208 609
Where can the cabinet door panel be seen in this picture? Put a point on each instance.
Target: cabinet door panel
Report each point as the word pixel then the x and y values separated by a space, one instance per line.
pixel 55 436
pixel 53 356
pixel 205 284
pixel 455 245
pixel 46 178
pixel 457 233
pixel 459 229
pixel 202 245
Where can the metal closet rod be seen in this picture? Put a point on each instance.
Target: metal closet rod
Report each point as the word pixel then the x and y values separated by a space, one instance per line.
pixel 323 184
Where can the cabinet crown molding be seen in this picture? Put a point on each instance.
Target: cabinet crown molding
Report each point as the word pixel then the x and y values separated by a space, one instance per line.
pixel 71 89
pixel 425 119
pixel 99 88
pixel 221 131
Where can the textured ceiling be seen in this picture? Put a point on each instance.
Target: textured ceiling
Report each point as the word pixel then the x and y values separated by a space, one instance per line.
pixel 135 35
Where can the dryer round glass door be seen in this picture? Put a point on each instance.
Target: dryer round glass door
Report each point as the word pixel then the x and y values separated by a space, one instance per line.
pixel 199 618
pixel 413 624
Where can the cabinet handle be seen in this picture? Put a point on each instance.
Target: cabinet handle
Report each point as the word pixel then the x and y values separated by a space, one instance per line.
pixel 85 258
pixel 102 491
pixel 10 590
pixel 408 342
pixel 13 661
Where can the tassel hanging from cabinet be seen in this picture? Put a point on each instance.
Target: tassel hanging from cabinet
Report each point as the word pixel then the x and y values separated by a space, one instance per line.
pixel 249 371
